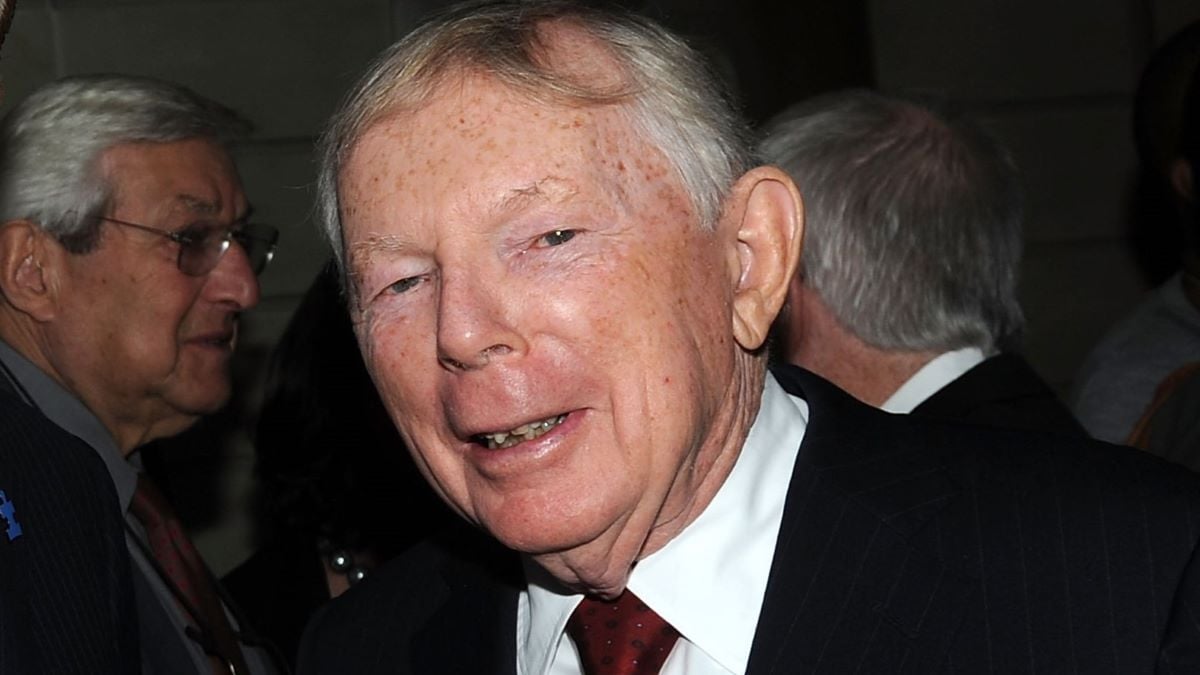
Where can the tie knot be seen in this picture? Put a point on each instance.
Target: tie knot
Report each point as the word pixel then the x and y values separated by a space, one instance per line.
pixel 622 636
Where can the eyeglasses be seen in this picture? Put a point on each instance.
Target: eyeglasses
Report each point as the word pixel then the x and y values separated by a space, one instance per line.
pixel 200 249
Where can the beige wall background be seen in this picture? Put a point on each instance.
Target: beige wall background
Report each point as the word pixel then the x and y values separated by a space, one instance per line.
pixel 1054 79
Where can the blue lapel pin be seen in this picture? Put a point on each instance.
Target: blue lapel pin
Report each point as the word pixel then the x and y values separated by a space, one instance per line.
pixel 8 514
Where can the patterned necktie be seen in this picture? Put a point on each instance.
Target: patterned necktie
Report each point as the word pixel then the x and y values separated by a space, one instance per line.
pixel 620 637
pixel 185 571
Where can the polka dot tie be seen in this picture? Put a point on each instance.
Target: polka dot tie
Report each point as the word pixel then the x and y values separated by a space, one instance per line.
pixel 620 637
pixel 184 570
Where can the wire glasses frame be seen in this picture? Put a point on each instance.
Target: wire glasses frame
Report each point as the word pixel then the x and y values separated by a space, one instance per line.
pixel 199 254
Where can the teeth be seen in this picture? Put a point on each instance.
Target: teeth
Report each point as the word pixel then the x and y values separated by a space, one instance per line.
pixel 525 432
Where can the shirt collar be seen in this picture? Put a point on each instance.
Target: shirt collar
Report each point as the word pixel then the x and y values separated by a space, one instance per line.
pixel 65 410
pixel 709 581
pixel 942 370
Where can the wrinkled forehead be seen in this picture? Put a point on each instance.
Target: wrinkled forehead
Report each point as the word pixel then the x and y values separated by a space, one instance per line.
pixel 194 175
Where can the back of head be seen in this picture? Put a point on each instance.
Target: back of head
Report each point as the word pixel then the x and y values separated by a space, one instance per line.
pixel 7 9
pixel 912 220
pixel 1159 121
pixel 52 141
pixel 1189 133
pixel 1189 148
pixel 668 90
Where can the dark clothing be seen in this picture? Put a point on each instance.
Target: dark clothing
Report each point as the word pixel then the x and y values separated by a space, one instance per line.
pixel 35 452
pixel 66 596
pixel 907 546
pixel 278 589
pixel 1002 391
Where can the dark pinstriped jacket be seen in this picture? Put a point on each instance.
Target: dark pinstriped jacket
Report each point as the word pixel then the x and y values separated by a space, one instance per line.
pixel 66 597
pixel 1002 391
pixel 907 546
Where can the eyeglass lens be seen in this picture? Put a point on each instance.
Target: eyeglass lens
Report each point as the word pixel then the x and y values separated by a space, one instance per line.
pixel 201 255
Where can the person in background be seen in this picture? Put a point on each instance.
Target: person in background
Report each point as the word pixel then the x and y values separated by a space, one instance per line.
pixel 69 614
pixel 906 295
pixel 1170 426
pixel 562 265
pixel 1117 382
pixel 339 492
pixel 127 255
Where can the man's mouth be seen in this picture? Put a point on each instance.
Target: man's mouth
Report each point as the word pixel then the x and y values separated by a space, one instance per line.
pixel 222 340
pixel 526 432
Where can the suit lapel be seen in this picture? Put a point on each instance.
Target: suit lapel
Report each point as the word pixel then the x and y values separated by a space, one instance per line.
pixel 855 582
pixel 474 629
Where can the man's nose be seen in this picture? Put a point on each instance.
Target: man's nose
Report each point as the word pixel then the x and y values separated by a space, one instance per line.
pixel 476 323
pixel 233 281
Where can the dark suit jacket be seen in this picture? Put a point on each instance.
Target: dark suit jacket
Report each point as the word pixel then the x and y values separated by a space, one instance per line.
pixel 907 546
pixel 1002 391
pixel 66 600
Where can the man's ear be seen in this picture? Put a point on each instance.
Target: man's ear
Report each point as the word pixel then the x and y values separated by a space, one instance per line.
pixel 25 277
pixel 767 213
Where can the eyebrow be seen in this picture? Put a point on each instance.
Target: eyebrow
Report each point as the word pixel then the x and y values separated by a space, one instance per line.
pixel 206 207
pixel 370 247
pixel 198 205
pixel 549 188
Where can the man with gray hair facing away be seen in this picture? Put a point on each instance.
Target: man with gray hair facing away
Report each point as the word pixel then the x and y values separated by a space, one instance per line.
pixel 126 257
pixel 906 293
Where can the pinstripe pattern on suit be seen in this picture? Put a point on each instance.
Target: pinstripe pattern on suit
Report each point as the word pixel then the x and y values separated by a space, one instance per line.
pixel 66 600
pixel 961 551
pixel 907 546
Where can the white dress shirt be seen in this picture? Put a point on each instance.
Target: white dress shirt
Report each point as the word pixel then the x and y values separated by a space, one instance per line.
pixel 709 581
pixel 927 381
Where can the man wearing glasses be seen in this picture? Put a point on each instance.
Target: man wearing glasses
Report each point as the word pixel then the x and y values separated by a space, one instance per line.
pixel 126 257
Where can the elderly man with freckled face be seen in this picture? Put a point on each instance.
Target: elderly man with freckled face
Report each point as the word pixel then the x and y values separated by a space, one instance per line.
pixel 562 263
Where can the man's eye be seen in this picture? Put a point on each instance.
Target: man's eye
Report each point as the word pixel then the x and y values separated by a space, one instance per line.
pixel 556 237
pixel 195 234
pixel 403 285
pixel 189 235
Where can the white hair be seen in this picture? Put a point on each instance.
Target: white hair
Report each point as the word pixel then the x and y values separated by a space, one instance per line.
pixel 912 220
pixel 51 143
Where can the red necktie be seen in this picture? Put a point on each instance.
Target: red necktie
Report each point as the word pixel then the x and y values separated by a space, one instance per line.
pixel 185 570
pixel 620 637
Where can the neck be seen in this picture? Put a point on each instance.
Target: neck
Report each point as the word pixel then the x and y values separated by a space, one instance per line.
pixel 868 374
pixel 817 341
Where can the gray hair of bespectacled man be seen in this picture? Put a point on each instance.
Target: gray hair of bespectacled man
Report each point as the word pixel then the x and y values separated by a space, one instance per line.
pixel 912 219
pixel 669 91
pixel 52 141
